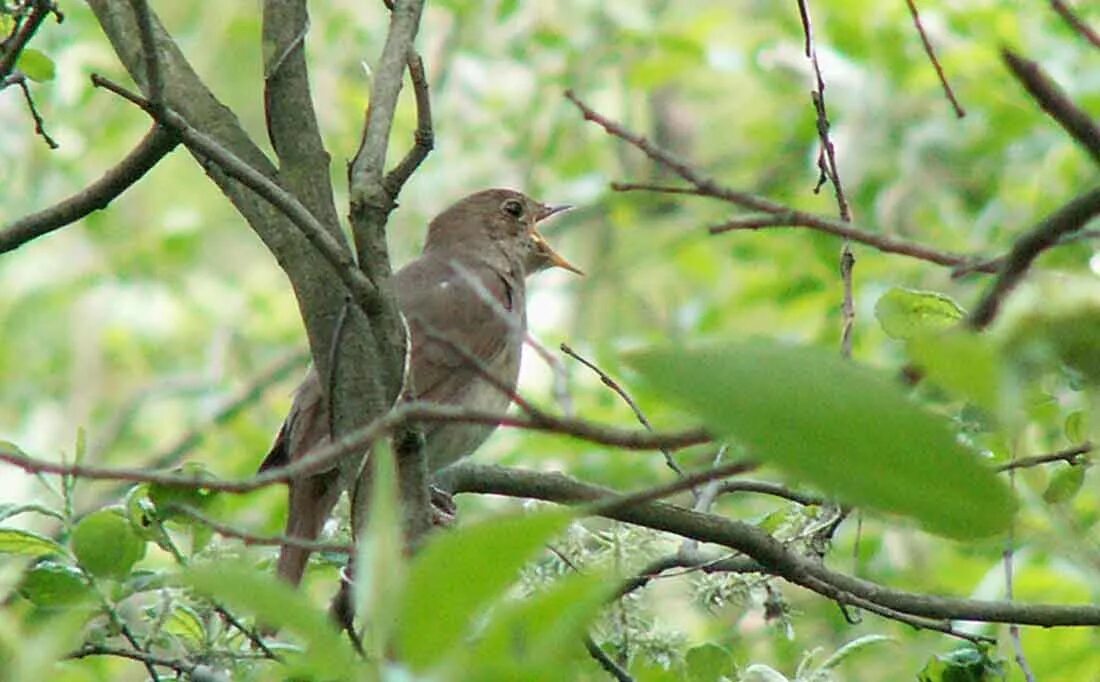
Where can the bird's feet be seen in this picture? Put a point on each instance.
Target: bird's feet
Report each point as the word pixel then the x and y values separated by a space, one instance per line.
pixel 444 509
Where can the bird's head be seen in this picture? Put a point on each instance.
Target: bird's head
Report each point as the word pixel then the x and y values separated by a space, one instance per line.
pixel 504 218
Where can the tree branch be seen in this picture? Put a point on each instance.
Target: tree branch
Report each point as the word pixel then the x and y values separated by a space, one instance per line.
pixel 775 557
pixel 1064 221
pixel 153 147
pixel 1055 102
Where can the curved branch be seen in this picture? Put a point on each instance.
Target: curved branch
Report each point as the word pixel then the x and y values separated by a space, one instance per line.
pixel 770 553
pixel 1066 220
pixel 153 147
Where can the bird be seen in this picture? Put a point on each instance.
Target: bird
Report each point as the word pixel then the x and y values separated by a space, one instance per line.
pixel 467 290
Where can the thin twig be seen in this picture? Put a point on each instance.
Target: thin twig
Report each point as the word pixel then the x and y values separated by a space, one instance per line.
pixel 826 162
pixel 769 488
pixel 1072 455
pixel 39 122
pixel 423 138
pixel 705 186
pixel 254 539
pixel 1075 22
pixel 621 392
pixel 323 457
pixel 931 52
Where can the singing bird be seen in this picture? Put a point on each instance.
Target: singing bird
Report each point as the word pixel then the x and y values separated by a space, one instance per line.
pixel 468 287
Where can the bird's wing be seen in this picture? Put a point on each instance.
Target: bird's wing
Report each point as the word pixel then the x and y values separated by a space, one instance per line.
pixel 305 426
pixel 474 306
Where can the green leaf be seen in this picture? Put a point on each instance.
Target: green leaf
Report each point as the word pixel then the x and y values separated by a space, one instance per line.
pixel 539 631
pixel 709 662
pixel 36 65
pixel 961 362
pixel 837 425
pixel 184 624
pixel 56 585
pixel 26 543
pixel 1065 484
pixel 1076 426
pixel 106 545
pixel 906 313
pixel 458 574
pixel 278 605
pixel 380 568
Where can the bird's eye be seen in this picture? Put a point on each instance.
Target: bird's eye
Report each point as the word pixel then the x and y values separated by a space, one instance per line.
pixel 513 208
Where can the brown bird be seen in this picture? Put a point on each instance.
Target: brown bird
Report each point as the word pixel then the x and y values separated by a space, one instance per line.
pixel 468 287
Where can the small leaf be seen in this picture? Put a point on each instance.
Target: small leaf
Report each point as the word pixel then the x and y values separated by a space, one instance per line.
pixel 36 65
pixel 906 313
pixel 106 545
pixel 458 574
pixel 26 543
pixel 708 662
pixel 1076 427
pixel 1065 484
pixel 184 624
pixel 54 584
pixel 838 425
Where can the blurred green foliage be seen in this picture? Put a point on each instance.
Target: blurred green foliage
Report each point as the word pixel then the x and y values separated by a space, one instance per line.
pixel 141 321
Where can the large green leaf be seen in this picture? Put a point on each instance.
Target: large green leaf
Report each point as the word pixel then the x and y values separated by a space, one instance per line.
pixel 458 574
pixel 541 631
pixel 279 605
pixel 837 425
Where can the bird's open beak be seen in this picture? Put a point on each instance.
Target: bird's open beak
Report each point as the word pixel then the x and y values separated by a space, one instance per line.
pixel 553 256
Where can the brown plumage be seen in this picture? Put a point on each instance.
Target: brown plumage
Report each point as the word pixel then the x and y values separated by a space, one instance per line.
pixel 482 247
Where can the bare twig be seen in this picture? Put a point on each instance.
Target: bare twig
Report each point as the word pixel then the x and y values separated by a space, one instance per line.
pixel 1067 219
pixel 423 138
pixel 250 538
pixel 768 488
pixel 39 122
pixel 1072 455
pixel 705 186
pixel 180 665
pixel 621 392
pixel 323 458
pixel 1075 22
pixel 826 163
pixel 1075 121
pixel 931 52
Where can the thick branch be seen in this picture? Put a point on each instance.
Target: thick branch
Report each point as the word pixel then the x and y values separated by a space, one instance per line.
pixel 321 289
pixel 291 120
pixel 152 148
pixel 770 553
